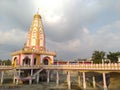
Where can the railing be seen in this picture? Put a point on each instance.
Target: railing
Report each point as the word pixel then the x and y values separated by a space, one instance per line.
pixel 3 67
pixel 86 67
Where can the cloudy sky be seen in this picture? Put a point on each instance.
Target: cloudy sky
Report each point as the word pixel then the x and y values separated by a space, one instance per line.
pixel 73 28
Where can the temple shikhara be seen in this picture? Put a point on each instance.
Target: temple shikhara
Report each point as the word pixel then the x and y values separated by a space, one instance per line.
pixel 34 51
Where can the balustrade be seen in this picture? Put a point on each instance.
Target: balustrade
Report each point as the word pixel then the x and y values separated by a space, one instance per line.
pixel 109 66
pixel 85 66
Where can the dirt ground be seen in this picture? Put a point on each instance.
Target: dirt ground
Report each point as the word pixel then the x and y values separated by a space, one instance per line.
pixel 114 81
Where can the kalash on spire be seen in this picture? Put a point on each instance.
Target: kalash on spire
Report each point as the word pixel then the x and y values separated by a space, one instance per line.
pixel 34 52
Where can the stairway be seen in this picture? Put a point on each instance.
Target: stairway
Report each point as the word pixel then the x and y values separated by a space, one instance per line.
pixel 37 72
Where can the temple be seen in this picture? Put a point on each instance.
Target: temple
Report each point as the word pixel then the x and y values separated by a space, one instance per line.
pixel 34 64
pixel 34 51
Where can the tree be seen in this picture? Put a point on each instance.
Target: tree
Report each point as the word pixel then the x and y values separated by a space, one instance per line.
pixel 113 56
pixel 97 56
pixel 6 62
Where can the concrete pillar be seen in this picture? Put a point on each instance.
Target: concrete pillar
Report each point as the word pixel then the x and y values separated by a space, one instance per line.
pixel 79 81
pixel 57 76
pixel 17 81
pixel 18 76
pixel 14 72
pixel 94 83
pixel 68 80
pixel 84 81
pixel 19 72
pixel 30 81
pixel 48 76
pixel 2 76
pixel 104 81
pixel 38 78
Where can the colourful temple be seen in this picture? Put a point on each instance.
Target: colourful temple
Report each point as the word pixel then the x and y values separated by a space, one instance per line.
pixel 34 51
pixel 34 63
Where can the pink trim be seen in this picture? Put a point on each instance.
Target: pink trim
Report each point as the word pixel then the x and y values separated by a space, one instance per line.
pixel 32 60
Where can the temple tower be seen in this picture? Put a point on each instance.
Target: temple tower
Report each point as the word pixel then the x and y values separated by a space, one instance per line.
pixel 36 35
pixel 34 52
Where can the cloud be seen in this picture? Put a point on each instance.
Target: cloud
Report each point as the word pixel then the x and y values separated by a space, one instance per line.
pixel 74 28
pixel 10 41
pixel 108 36
pixel 12 36
pixel 15 14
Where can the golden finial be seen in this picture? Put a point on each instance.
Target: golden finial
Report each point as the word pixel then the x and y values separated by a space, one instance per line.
pixel 37 15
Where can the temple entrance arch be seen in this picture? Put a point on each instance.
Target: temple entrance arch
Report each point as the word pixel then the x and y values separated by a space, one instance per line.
pixel 26 61
pixel 46 60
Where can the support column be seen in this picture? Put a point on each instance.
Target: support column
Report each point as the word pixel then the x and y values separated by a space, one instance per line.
pixel 84 81
pixel 94 83
pixel 18 76
pixel 38 78
pixel 2 76
pixel 57 76
pixel 79 81
pixel 48 76
pixel 14 72
pixel 104 81
pixel 19 72
pixel 30 81
pixel 68 80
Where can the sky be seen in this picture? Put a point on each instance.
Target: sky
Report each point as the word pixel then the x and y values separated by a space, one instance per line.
pixel 73 28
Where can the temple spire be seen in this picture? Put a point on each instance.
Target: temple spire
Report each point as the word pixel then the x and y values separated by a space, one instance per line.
pixel 36 36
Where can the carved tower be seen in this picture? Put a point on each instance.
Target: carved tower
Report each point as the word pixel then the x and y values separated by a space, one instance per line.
pixel 34 52
pixel 36 35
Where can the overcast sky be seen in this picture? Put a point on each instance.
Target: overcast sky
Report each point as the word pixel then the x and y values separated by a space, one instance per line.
pixel 73 28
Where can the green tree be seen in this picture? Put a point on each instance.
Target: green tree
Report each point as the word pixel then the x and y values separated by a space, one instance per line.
pixel 97 56
pixel 6 62
pixel 113 56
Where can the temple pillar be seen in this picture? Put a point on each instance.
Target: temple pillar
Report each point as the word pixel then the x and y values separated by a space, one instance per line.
pixel 48 76
pixel 38 78
pixel 57 76
pixel 94 83
pixel 104 81
pixel 68 80
pixel 18 76
pixel 84 81
pixel 79 81
pixel 2 76
pixel 14 76
pixel 30 81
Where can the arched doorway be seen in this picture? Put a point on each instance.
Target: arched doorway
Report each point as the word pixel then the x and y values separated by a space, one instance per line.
pixel 26 61
pixel 46 60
